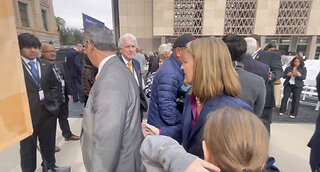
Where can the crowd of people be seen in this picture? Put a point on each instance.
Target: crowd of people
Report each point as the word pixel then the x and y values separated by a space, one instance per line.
pixel 210 109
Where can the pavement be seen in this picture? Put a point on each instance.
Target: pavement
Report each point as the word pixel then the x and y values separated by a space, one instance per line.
pixel 287 144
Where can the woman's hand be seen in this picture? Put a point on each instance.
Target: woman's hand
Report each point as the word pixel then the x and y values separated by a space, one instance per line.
pixel 148 129
pixel 200 165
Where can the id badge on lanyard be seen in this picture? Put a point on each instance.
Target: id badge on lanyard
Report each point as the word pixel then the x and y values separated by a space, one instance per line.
pixel 41 95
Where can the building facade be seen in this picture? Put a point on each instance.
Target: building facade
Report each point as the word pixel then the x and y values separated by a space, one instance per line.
pixel 292 25
pixel 36 17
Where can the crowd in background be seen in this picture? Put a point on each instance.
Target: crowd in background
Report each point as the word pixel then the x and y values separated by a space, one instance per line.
pixel 208 102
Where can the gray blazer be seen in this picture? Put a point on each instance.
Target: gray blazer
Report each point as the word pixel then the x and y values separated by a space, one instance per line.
pixel 253 90
pixel 112 135
pixel 162 153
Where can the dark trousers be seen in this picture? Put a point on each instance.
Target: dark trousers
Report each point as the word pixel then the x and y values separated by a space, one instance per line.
pixel 77 93
pixel 45 132
pixel 63 120
pixel 266 117
pixel 296 91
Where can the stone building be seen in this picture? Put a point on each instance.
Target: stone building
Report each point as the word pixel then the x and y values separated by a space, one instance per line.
pixel 36 17
pixel 292 25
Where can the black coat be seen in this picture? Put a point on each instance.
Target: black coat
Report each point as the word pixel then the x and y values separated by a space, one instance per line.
pixel 298 81
pixel 273 60
pixel 50 86
pixel 314 142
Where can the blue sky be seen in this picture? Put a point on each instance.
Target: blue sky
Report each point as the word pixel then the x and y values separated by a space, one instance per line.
pixel 71 11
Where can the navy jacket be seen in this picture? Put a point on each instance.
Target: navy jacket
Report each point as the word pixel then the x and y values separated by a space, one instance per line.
pixel 163 110
pixel 314 142
pixel 75 63
pixel 191 141
pixel 256 67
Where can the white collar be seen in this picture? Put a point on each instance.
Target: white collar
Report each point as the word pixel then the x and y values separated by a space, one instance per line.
pixel 27 60
pixel 126 61
pixel 103 62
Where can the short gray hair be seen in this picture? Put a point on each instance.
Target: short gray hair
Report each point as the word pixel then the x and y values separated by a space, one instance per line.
pixel 127 36
pixel 251 45
pixel 101 37
pixel 164 48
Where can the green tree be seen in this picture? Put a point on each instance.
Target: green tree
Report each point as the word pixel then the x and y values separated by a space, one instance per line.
pixel 68 36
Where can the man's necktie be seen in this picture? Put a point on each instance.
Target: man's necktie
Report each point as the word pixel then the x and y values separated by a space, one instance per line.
pixel 35 73
pixel 129 66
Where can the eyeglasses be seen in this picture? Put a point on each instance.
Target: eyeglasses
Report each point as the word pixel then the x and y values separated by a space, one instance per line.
pixel 49 51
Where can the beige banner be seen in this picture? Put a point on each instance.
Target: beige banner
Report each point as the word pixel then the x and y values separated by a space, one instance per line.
pixel 15 119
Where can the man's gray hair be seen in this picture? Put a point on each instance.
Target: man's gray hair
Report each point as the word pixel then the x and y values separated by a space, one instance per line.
pixel 251 45
pixel 164 48
pixel 101 37
pixel 127 36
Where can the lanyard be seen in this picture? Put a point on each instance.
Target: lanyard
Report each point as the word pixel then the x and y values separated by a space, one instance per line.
pixel 36 79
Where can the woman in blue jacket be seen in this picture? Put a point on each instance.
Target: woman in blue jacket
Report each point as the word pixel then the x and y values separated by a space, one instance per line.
pixel 208 68
pixel 294 75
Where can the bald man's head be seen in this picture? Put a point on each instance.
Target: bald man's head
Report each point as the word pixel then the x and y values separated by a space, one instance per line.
pixel 48 52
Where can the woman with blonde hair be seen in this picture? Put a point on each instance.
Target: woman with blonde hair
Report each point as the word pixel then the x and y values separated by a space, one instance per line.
pixel 235 140
pixel 208 68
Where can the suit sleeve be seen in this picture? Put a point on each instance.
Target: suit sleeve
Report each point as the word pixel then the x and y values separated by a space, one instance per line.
pixel 161 153
pixel 66 78
pixel 167 93
pixel 260 101
pixel 276 67
pixel 109 105
pixel 303 73
pixel 78 62
pixel 318 85
pixel 285 73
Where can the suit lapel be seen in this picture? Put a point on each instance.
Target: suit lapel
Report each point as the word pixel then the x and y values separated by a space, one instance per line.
pixel 207 108
pixel 28 77
pixel 186 125
pixel 44 71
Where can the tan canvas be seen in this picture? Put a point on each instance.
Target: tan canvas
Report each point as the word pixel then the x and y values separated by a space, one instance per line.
pixel 15 119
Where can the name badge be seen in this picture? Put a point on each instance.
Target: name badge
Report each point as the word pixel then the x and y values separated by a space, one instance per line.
pixel 41 95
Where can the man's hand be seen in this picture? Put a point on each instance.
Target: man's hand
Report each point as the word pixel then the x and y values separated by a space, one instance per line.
pixel 148 129
pixel 200 165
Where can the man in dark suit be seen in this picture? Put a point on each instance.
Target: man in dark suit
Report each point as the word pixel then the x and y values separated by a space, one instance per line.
pixel 252 65
pixel 127 44
pixel 49 53
pixel 314 142
pixel 75 64
pixel 273 60
pixel 44 102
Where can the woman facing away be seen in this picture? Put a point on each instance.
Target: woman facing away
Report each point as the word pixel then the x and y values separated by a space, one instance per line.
pixel 235 140
pixel 294 75
pixel 208 68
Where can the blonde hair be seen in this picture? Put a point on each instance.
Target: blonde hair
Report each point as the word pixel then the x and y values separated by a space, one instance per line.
pixel 236 139
pixel 213 73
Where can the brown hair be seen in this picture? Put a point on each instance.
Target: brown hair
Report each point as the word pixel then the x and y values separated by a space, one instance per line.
pixel 299 58
pixel 213 73
pixel 236 139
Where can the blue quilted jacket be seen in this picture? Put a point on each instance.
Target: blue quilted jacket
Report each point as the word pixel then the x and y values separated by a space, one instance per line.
pixel 163 110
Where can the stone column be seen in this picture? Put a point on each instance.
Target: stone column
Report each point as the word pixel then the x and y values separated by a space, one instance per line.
pixel 262 41
pixel 311 47
pixel 294 41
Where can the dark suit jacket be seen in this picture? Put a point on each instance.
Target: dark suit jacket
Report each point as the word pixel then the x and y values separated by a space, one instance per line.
pixel 298 81
pixel 136 66
pixel 273 60
pixel 314 142
pixel 256 67
pixel 74 62
pixel 66 77
pixel 50 87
